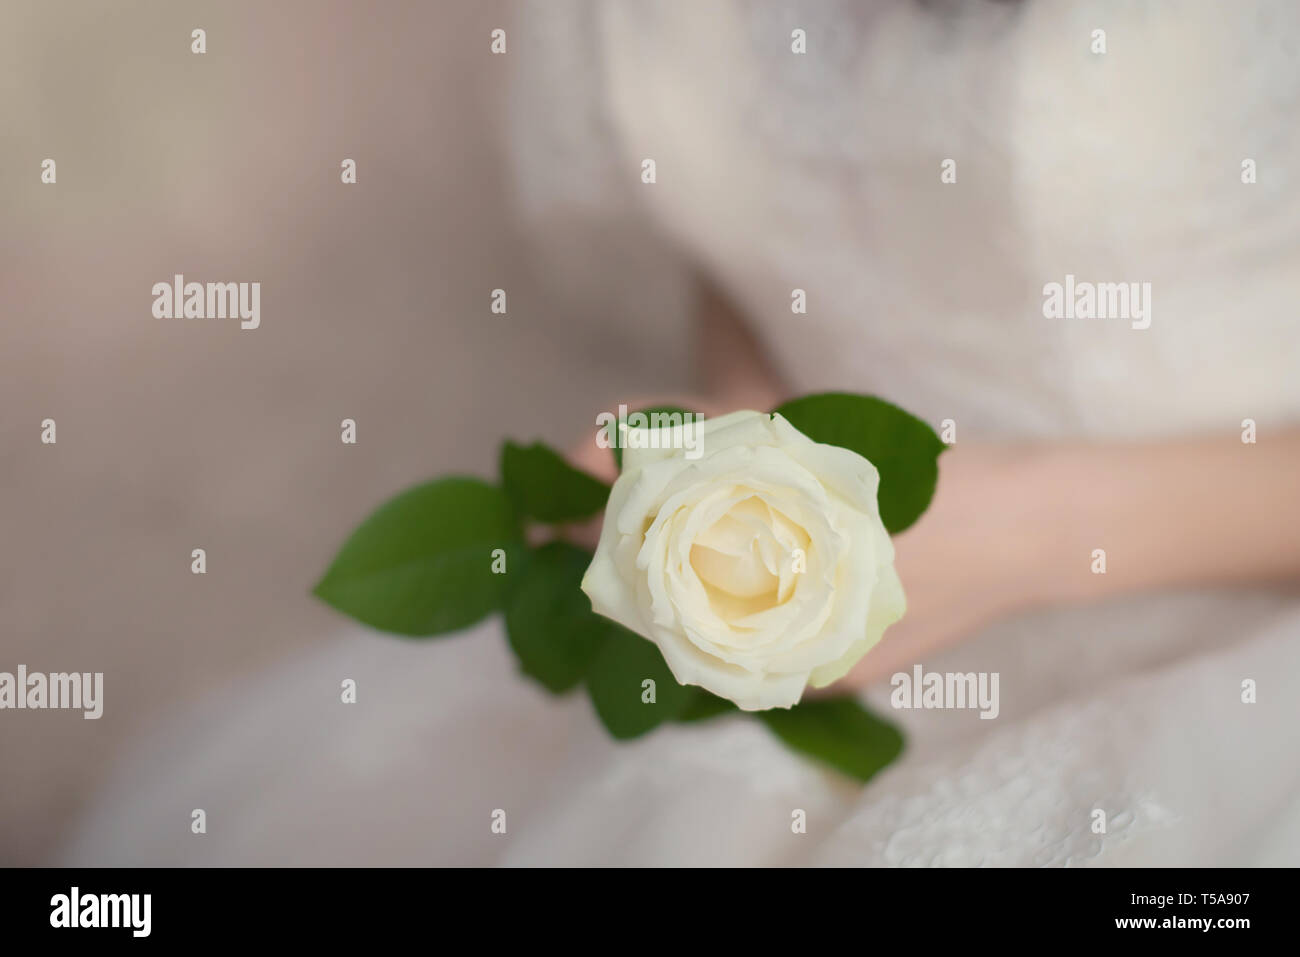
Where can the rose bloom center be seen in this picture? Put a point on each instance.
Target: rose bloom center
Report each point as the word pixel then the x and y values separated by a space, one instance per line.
pixel 745 559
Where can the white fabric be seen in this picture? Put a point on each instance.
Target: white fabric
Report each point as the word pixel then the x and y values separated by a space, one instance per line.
pixel 822 172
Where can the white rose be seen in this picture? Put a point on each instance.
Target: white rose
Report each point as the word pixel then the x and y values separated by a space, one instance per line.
pixel 758 568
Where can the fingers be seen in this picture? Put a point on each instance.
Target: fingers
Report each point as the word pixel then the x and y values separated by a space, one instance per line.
pixel 590 457
pixel 594 460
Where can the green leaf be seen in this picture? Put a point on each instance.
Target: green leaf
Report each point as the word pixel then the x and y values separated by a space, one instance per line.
pixel 839 732
pixel 903 448
pixel 612 429
pixel 421 564
pixel 549 621
pixel 702 706
pixel 545 487
pixel 614 681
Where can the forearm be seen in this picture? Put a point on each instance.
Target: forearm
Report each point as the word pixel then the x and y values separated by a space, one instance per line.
pixel 1173 514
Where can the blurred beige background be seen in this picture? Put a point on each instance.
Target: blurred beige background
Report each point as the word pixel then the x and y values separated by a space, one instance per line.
pixel 175 435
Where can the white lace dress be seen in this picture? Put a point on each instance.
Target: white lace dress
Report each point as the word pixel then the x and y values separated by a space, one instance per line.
pixel 778 171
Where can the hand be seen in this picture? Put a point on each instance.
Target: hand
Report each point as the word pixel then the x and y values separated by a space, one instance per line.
pixel 597 461
pixel 962 564
pixel 968 560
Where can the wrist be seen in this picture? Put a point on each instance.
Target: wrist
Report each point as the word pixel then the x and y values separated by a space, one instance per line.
pixel 1052 500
